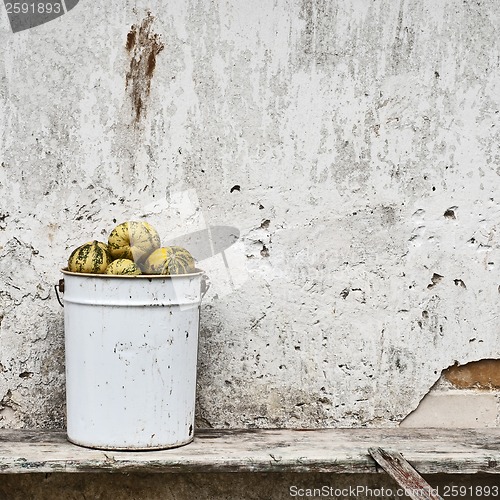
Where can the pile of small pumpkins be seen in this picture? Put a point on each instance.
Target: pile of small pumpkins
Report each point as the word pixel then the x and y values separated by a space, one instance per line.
pixel 133 248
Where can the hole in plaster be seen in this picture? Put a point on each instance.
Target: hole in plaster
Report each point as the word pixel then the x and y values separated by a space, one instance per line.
pixel 436 278
pixel 459 283
pixel 3 216
pixel 236 187
pixel 450 213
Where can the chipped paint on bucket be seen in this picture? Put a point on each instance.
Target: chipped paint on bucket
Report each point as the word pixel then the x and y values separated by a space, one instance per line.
pixel 131 355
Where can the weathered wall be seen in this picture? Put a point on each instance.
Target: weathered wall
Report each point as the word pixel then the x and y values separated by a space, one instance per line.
pixel 364 138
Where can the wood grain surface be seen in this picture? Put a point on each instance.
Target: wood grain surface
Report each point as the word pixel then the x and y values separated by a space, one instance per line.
pixel 462 451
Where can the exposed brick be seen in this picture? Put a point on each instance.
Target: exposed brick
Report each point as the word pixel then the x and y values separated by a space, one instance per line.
pixel 484 374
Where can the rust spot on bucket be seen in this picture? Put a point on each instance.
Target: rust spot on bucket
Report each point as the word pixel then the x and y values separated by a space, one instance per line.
pixel 143 46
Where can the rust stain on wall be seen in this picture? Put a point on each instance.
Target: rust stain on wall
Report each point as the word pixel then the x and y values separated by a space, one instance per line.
pixel 484 374
pixel 143 46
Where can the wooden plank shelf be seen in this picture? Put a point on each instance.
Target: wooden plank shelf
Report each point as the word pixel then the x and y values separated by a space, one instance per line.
pixel 430 451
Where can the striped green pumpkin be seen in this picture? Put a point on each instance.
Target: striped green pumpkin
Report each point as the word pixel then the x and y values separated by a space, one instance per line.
pixel 169 260
pixel 133 240
pixel 92 257
pixel 123 267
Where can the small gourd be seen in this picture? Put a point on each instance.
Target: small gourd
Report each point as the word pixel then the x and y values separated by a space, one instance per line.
pixel 92 257
pixel 133 240
pixel 123 267
pixel 169 260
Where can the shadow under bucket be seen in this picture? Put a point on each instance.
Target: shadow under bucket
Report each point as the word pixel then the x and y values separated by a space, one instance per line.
pixel 131 356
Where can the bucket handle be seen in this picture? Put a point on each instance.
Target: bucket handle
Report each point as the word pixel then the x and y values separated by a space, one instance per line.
pixel 59 288
pixel 205 285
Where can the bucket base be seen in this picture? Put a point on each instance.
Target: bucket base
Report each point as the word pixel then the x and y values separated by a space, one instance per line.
pixel 129 448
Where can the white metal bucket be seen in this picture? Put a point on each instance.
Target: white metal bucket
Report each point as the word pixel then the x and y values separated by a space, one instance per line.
pixel 131 355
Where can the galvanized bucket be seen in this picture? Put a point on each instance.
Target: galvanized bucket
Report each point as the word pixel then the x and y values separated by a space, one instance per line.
pixel 131 355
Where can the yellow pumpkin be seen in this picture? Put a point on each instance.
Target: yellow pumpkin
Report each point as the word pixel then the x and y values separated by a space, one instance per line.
pixel 92 257
pixel 169 260
pixel 123 267
pixel 133 240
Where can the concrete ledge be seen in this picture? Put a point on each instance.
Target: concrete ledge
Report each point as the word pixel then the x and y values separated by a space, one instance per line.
pixel 430 451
